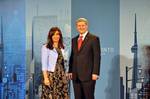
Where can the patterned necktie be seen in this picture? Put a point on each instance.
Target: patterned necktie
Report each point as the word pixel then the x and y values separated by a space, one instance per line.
pixel 80 42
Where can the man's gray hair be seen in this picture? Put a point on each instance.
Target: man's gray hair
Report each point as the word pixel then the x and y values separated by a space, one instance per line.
pixel 82 20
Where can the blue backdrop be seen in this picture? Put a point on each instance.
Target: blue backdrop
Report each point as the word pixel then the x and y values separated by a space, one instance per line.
pixel 12 14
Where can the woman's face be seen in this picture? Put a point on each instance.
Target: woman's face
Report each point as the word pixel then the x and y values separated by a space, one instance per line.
pixel 56 37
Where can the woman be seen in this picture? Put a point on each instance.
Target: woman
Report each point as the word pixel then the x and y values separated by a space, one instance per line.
pixel 55 83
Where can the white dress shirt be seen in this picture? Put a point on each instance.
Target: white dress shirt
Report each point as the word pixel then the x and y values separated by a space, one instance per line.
pixel 49 58
pixel 83 35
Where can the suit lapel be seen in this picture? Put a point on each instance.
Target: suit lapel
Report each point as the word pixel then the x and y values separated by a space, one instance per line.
pixel 76 43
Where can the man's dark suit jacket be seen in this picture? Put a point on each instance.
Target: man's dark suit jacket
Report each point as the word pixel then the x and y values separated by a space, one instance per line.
pixel 86 61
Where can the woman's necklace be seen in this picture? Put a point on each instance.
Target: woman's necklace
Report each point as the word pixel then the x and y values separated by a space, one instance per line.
pixel 55 45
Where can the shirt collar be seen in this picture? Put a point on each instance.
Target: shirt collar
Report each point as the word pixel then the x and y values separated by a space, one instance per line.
pixel 84 35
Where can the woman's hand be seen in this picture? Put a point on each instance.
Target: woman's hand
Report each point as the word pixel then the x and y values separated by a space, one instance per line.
pixel 46 81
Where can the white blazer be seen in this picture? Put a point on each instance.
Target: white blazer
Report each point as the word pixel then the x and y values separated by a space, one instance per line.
pixel 49 58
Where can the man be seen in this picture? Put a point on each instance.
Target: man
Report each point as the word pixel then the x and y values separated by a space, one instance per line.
pixel 84 64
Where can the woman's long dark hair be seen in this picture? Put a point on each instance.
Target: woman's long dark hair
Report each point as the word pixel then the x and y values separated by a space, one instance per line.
pixel 50 41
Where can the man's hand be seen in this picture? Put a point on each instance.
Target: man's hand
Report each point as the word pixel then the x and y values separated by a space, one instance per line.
pixel 95 77
pixel 69 76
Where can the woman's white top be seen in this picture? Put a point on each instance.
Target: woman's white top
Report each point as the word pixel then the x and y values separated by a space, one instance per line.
pixel 49 58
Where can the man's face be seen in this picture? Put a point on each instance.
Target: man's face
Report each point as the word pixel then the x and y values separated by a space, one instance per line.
pixel 82 27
